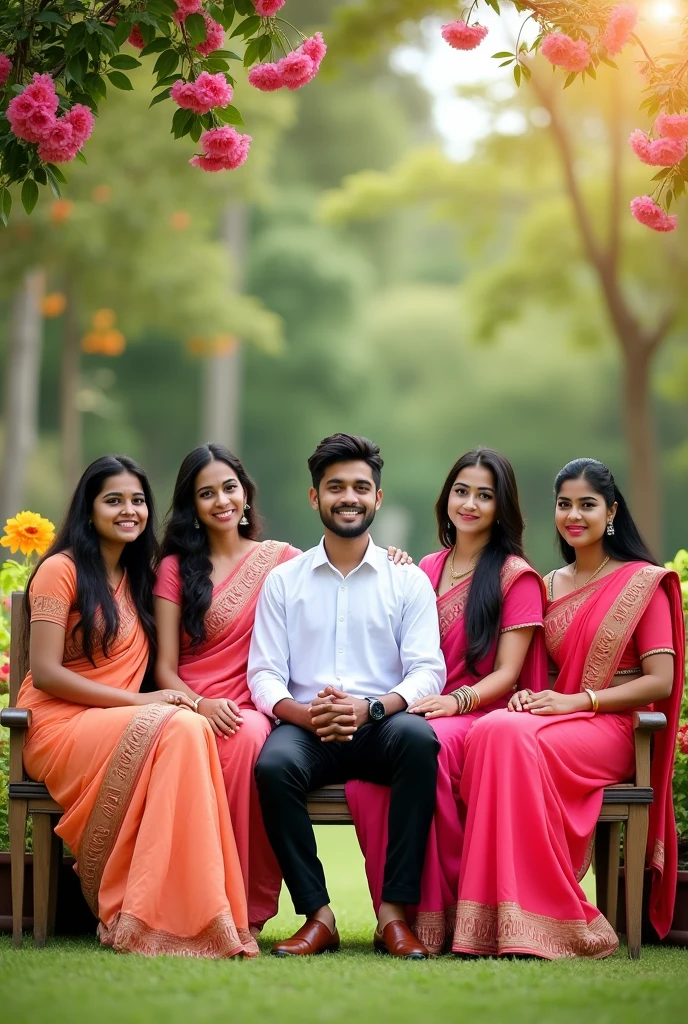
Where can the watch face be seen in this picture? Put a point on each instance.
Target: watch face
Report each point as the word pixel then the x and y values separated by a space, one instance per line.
pixel 377 710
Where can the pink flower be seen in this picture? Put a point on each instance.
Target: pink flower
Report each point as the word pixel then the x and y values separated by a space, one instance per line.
pixel 5 669
pixel 268 8
pixel 136 39
pixel 201 96
pixel 5 68
pixel 462 36
pixel 185 8
pixel 315 48
pixel 682 738
pixel 28 119
pixel 647 212
pixel 214 36
pixel 297 69
pixel 657 152
pixel 266 77
pixel 58 145
pixel 82 121
pixel 619 28
pixel 224 149
pixel 672 126
pixel 42 90
pixel 565 52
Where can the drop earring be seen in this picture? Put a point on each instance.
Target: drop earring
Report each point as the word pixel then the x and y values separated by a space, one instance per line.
pixel 244 521
pixel 197 525
pixel 610 528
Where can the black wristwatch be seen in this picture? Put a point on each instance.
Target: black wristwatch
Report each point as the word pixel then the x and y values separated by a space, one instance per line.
pixel 376 709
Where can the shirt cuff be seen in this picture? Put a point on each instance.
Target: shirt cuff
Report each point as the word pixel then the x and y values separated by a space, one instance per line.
pixel 413 688
pixel 268 692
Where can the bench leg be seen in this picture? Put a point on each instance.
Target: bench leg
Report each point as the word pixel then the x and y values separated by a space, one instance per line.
pixel 47 850
pixel 17 825
pixel 607 856
pixel 634 849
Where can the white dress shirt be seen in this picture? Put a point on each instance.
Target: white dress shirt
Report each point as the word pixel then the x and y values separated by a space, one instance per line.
pixel 369 633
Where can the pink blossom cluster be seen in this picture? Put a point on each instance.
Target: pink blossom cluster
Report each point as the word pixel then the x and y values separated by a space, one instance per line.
pixel 672 126
pixel 32 117
pixel 224 149
pixel 214 32
pixel 659 152
pixel 136 39
pixel 185 8
pixel 646 211
pixel 268 8
pixel 5 68
pixel 462 36
pixel 682 738
pixel 619 28
pixel 291 72
pixel 565 52
pixel 201 96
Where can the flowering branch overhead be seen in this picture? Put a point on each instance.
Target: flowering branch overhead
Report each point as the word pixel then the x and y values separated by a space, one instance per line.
pixel 59 57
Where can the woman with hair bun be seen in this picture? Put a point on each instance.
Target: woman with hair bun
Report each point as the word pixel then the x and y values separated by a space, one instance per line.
pixel 490 607
pixel 535 773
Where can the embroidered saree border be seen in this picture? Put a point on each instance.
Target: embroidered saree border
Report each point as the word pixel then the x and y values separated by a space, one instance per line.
pixel 241 587
pixel 452 605
pixel 114 795
pixel 45 608
pixel 435 928
pixel 508 928
pixel 220 939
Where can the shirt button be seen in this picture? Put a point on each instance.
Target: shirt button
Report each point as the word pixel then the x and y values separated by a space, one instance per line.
pixel 341 651
pixel 341 618
pixel 342 588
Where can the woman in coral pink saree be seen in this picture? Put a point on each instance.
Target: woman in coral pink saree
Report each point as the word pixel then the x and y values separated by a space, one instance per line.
pixel 534 774
pixel 479 490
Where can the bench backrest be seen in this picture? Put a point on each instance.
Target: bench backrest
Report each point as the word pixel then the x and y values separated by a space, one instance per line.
pixel 19 654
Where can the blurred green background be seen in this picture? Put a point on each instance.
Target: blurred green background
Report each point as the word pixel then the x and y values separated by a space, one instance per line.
pixel 354 276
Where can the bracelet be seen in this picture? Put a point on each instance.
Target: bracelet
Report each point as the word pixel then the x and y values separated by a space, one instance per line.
pixel 593 699
pixel 467 699
pixel 197 702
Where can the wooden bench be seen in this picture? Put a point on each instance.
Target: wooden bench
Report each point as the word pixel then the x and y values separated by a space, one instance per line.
pixel 626 805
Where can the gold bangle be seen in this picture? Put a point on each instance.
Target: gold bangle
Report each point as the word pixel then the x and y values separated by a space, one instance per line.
pixel 593 699
pixel 458 697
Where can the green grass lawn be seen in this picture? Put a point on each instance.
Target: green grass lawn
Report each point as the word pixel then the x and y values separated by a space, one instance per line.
pixel 74 980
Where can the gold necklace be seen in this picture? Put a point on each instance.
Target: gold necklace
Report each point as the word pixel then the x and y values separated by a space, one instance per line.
pixel 598 570
pixel 456 576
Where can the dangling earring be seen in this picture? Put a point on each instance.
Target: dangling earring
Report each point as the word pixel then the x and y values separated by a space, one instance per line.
pixel 197 525
pixel 244 521
pixel 610 527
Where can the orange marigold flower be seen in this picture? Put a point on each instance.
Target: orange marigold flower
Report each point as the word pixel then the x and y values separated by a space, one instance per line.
pixel 104 319
pixel 54 305
pixel 28 532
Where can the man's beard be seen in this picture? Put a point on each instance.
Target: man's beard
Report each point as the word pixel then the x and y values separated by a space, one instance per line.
pixel 354 529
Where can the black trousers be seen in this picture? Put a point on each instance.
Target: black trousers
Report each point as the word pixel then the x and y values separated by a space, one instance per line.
pixel 400 752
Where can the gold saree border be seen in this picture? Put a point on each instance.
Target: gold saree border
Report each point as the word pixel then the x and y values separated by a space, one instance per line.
pixel 241 587
pixel 452 605
pixel 435 928
pixel 45 608
pixel 114 795
pixel 507 928
pixel 220 939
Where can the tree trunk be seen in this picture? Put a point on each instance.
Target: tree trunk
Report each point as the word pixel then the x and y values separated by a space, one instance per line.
pixel 70 416
pixel 642 445
pixel 222 373
pixel 22 383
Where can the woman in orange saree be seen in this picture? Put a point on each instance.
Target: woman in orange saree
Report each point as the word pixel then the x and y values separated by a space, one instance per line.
pixel 535 773
pixel 207 587
pixel 137 773
pixel 481 579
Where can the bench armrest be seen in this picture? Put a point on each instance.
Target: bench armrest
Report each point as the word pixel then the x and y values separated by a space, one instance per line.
pixel 644 724
pixel 15 718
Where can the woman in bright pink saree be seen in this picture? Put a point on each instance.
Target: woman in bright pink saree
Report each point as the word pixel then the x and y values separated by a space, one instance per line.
pixel 534 774
pixel 481 528
pixel 206 593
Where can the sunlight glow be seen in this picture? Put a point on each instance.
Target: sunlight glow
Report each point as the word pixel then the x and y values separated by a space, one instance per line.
pixel 662 11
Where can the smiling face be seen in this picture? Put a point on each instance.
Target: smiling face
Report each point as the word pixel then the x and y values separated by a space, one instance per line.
pixel 347 498
pixel 120 512
pixel 472 502
pixel 581 514
pixel 219 497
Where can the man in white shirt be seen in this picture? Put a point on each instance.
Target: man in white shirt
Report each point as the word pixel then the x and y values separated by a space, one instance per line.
pixel 343 642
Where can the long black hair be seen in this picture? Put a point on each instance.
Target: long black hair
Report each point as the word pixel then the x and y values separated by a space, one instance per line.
pixel 484 606
pixel 626 543
pixel 94 595
pixel 190 544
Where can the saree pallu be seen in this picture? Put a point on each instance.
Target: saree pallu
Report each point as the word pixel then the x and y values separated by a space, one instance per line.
pixel 533 785
pixel 217 668
pixel 433 919
pixel 143 795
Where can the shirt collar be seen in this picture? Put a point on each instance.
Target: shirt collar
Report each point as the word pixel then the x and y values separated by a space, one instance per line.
pixel 369 558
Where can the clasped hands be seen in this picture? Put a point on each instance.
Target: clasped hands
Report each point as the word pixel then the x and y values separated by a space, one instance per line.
pixel 336 715
pixel 549 702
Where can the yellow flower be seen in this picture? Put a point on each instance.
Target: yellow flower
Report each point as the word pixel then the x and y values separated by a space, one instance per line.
pixel 28 532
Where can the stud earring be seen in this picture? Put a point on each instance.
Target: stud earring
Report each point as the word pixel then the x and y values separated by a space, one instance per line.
pixel 610 528
pixel 244 521
pixel 197 525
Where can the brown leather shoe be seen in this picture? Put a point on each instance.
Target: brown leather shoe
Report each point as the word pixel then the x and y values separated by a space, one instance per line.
pixel 397 939
pixel 312 938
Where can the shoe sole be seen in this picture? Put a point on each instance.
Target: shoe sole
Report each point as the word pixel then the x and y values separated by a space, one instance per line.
pixel 383 951
pixel 319 952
